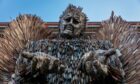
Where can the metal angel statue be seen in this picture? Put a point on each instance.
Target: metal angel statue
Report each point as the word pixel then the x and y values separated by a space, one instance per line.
pixel 31 54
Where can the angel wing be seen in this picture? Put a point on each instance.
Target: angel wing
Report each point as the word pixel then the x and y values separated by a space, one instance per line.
pixel 127 40
pixel 21 30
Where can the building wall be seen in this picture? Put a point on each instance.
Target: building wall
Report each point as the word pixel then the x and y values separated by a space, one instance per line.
pixel 92 27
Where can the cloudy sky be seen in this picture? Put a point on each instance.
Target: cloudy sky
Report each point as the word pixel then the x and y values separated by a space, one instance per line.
pixel 50 10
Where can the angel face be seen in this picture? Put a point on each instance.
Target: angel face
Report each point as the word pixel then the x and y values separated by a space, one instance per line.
pixel 72 23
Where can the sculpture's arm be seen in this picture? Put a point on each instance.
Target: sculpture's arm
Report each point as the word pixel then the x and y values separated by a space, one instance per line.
pixel 99 63
pixel 115 67
pixel 44 63
pixel 91 65
pixel 36 64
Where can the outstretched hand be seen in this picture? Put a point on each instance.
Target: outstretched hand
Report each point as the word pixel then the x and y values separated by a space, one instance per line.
pixel 95 62
pixel 44 63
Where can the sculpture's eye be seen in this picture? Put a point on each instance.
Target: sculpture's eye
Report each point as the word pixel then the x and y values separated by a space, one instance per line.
pixel 68 19
pixel 75 21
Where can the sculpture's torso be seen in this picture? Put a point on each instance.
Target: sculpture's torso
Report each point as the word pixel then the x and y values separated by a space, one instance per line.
pixel 69 52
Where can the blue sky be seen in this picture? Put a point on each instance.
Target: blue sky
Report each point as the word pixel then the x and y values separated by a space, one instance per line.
pixel 50 10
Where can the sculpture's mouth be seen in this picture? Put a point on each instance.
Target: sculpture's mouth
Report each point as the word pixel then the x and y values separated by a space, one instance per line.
pixel 68 29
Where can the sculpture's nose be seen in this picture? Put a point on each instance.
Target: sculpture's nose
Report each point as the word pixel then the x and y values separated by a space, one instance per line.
pixel 71 21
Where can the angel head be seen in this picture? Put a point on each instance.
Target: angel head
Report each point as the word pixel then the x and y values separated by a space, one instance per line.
pixel 72 22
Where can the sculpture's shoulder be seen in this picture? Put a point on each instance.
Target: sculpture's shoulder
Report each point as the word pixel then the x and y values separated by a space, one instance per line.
pixel 34 46
pixel 103 44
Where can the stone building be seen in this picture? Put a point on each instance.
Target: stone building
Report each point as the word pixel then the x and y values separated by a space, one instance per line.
pixel 92 27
